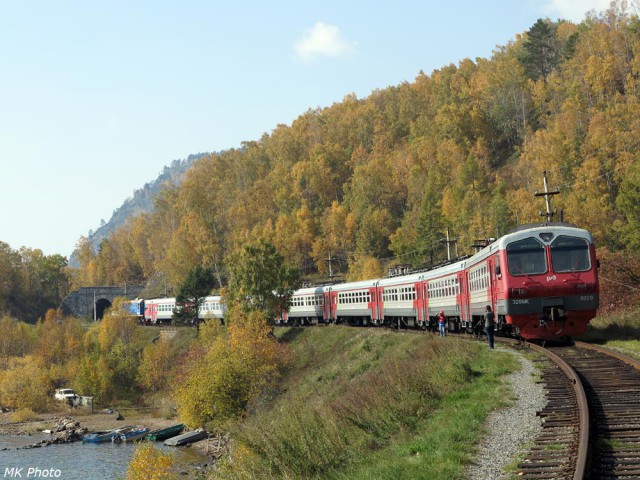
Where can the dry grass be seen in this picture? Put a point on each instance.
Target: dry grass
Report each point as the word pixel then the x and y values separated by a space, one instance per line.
pixel 620 331
pixel 360 400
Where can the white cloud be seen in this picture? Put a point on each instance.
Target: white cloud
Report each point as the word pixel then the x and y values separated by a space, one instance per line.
pixel 574 10
pixel 324 40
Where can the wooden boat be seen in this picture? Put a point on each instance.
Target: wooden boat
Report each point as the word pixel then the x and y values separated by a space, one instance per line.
pixel 186 438
pixel 164 433
pixel 104 435
pixel 131 435
pixel 98 437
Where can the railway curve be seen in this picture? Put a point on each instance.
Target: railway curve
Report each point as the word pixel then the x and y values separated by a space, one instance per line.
pixel 612 384
pixel 560 450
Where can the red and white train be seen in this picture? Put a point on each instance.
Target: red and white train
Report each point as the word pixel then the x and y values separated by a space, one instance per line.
pixel 540 280
pixel 158 311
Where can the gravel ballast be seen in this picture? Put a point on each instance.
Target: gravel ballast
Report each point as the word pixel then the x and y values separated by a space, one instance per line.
pixel 510 429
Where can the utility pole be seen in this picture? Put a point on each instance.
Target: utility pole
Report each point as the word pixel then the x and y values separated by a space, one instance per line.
pixel 449 242
pixel 547 197
pixel 330 260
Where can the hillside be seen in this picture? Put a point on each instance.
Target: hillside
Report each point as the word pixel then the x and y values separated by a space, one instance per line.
pixel 377 181
pixel 365 403
pixel 140 202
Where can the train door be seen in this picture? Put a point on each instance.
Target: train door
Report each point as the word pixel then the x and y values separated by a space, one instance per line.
pixel 371 306
pixel 420 302
pixel 378 303
pixel 460 299
pixel 425 296
pixel 493 282
pixel 333 305
pixel 326 307
pixel 465 291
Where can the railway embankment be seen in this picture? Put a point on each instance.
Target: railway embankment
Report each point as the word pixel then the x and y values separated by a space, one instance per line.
pixel 617 331
pixel 373 403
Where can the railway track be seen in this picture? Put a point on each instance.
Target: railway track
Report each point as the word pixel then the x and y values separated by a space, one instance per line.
pixel 591 423
pixel 612 385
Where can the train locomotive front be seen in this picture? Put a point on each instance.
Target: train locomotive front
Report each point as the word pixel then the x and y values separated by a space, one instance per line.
pixel 547 281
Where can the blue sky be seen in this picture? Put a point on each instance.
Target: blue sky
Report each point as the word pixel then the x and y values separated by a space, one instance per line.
pixel 97 97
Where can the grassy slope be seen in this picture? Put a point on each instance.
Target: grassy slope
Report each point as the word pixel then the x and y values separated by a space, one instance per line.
pixel 365 403
pixel 620 331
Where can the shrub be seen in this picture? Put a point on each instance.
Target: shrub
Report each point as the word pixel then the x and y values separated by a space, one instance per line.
pixel 232 370
pixel 149 463
pixel 23 415
pixel 25 385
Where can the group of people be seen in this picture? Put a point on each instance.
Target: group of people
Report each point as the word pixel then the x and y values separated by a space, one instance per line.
pixel 489 324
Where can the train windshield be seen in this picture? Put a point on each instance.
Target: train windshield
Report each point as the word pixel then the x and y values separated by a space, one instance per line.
pixel 570 254
pixel 526 257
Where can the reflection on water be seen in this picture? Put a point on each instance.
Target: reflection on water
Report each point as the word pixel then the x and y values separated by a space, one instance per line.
pixel 76 461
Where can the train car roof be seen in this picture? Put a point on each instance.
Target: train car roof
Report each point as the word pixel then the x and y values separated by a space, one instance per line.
pixel 340 287
pixel 555 228
pixel 208 298
pixel 401 279
pixel 161 300
pixel 309 291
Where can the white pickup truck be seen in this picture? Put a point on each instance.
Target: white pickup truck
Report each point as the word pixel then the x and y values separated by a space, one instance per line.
pixel 63 394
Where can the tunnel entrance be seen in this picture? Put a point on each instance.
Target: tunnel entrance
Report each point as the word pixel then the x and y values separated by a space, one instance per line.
pixel 101 306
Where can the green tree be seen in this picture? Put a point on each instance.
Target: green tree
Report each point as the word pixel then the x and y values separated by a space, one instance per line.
pixel 541 50
pixel 9 278
pixel 430 226
pixel 191 295
pixel 259 279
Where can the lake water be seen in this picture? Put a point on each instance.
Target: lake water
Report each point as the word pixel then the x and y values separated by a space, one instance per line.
pixel 76 461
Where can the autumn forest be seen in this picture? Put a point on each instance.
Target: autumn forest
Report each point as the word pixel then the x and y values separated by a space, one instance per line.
pixel 373 182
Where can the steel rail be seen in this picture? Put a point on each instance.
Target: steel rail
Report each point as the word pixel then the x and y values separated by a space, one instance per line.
pixel 581 399
pixel 632 362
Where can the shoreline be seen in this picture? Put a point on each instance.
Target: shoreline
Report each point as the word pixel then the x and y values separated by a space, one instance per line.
pixel 210 448
pixel 92 422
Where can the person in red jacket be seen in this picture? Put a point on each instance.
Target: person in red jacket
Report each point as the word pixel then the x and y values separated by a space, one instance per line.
pixel 442 323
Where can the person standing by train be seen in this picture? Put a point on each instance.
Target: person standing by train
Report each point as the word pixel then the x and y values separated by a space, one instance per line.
pixel 442 323
pixel 489 325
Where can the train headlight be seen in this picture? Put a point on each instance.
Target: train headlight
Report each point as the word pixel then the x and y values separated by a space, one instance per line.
pixel 518 292
pixel 546 236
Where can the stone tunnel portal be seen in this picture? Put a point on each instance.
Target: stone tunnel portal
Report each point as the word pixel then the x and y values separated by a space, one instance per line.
pixel 101 306
pixel 87 301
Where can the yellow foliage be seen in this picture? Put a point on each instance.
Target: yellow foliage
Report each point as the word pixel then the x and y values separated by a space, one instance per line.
pixel 23 415
pixel 209 331
pixel 155 366
pixel 59 339
pixel 150 463
pixel 25 385
pixel 116 325
pixel 17 338
pixel 233 371
pixel 364 268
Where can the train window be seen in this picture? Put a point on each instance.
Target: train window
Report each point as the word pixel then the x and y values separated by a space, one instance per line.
pixel 570 254
pixel 526 257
